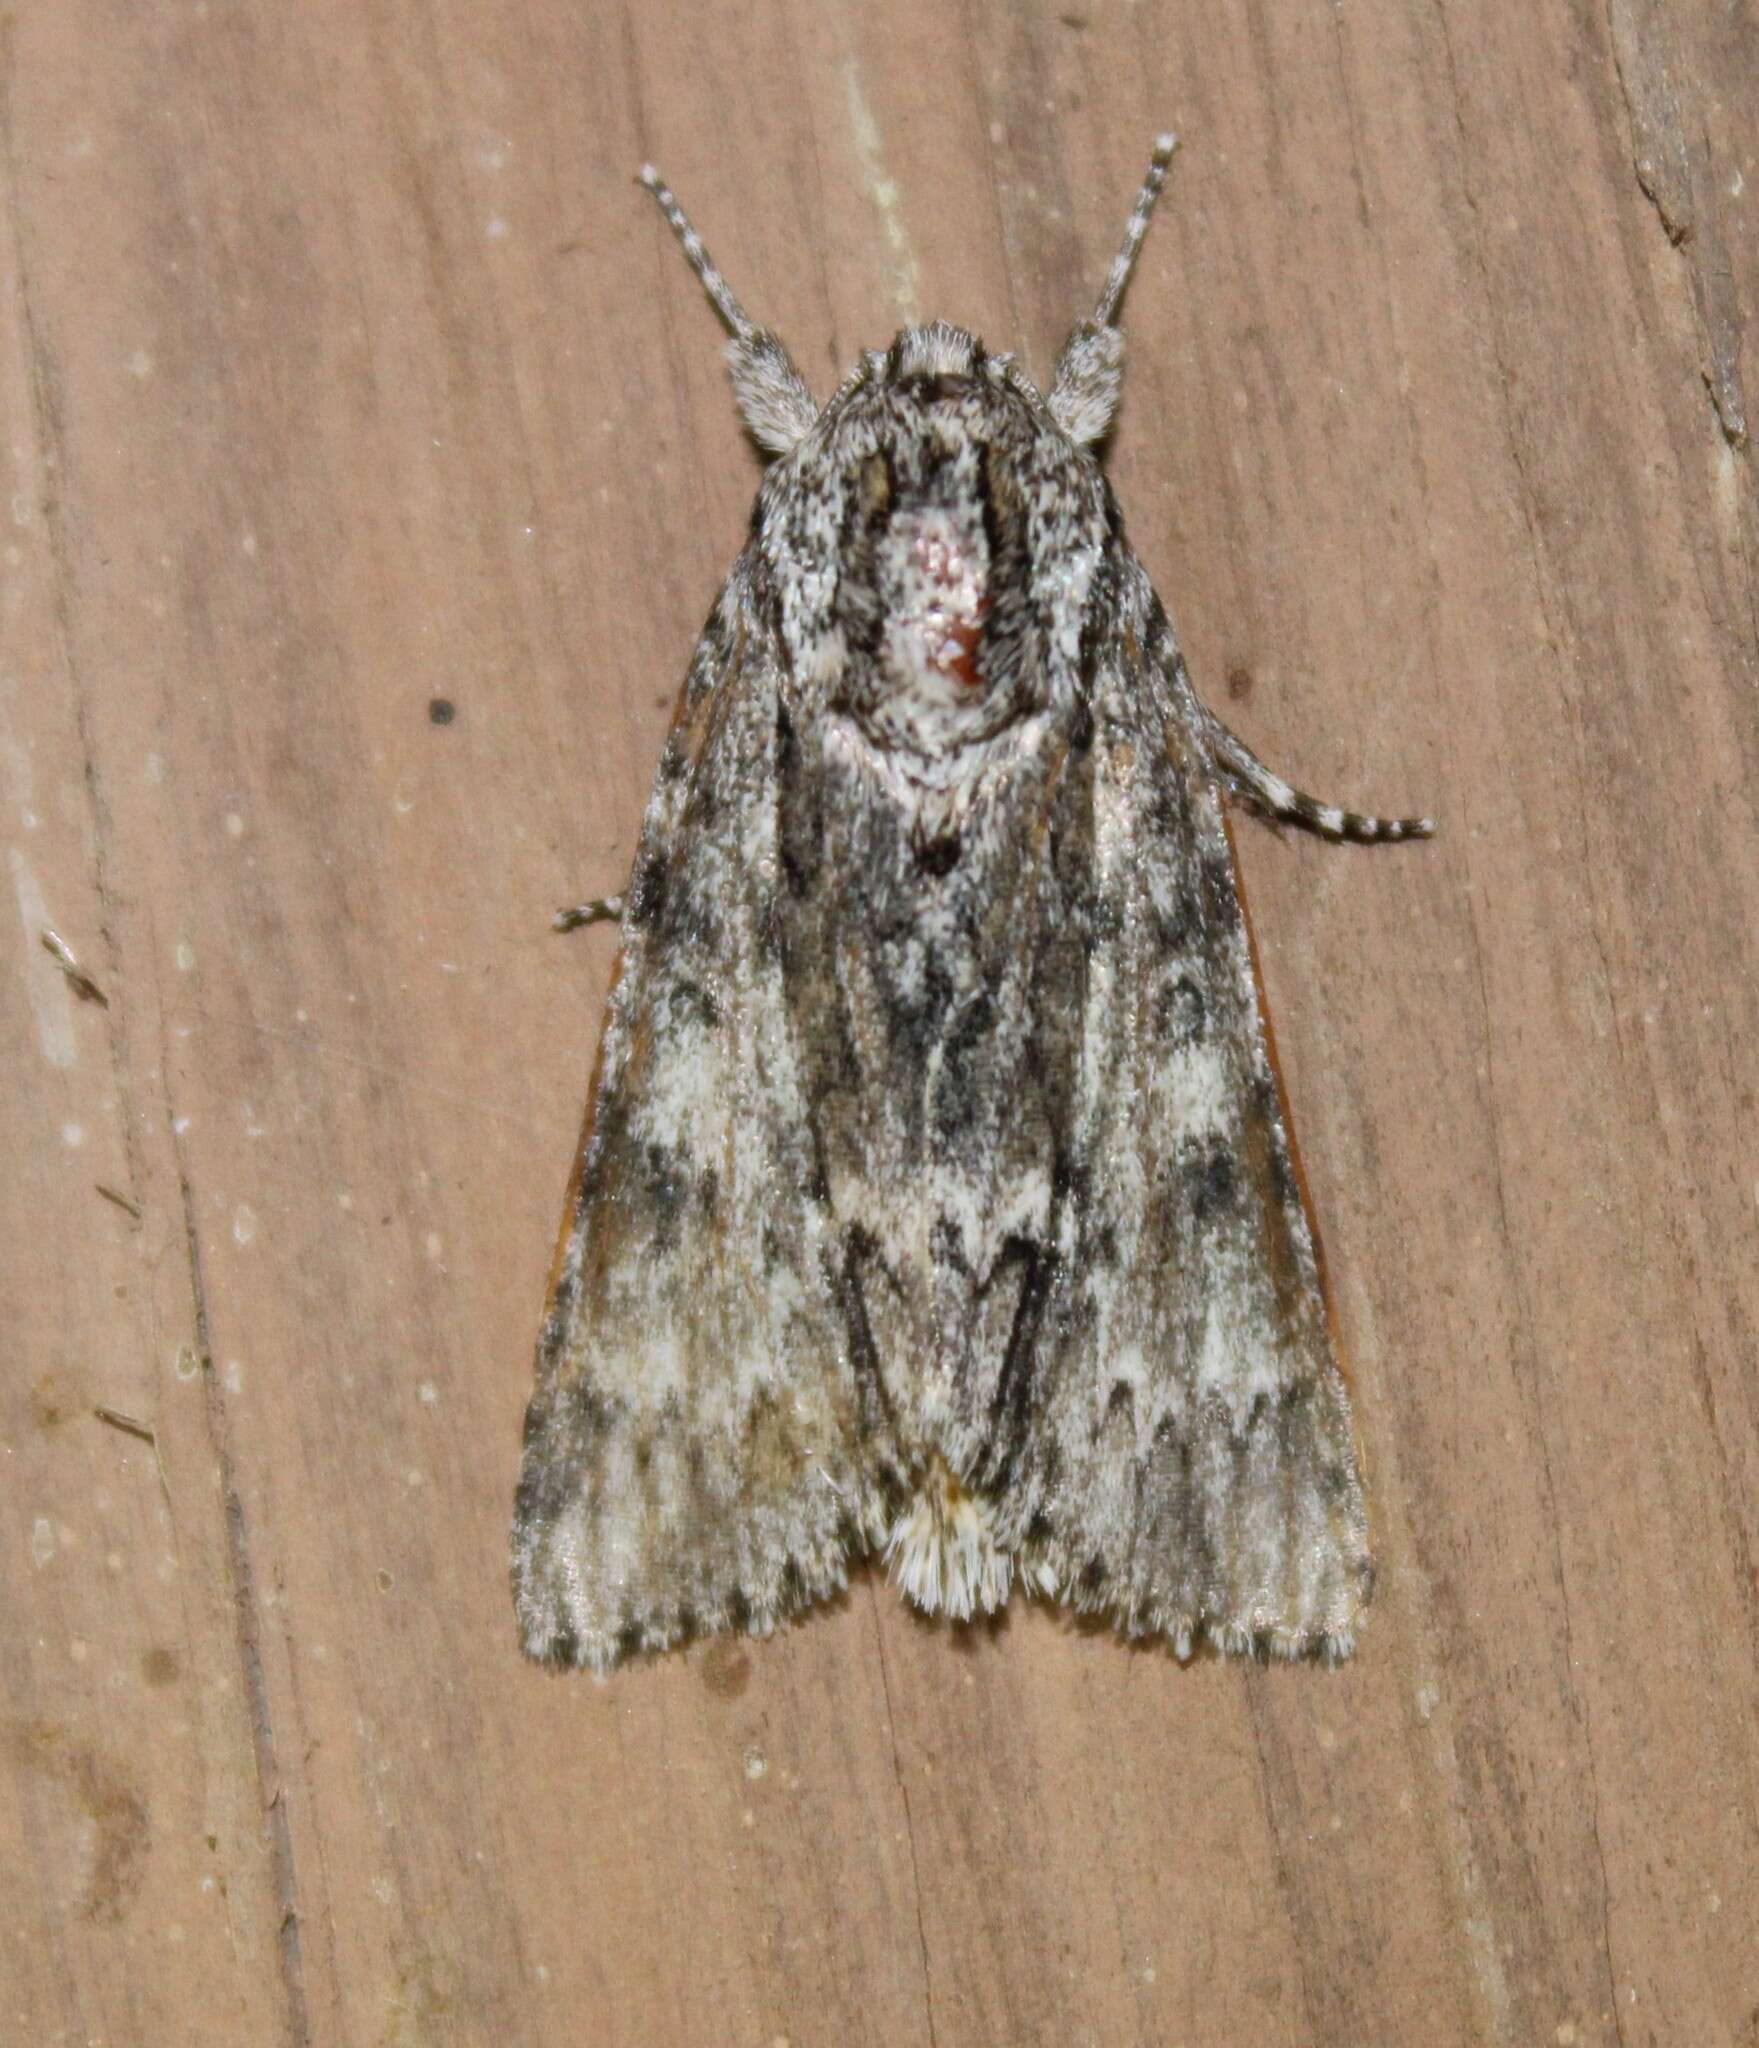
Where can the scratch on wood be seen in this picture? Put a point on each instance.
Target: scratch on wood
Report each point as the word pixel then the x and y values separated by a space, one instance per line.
pixel 883 191
pixel 247 1619
pixel 1677 181
pixel 128 1424
pixel 78 979
pixel 909 1824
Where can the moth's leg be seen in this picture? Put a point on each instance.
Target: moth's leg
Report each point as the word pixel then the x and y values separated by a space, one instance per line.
pixel 1246 777
pixel 598 910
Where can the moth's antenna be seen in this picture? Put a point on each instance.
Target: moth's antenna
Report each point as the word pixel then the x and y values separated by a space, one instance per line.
pixel 1105 313
pixel 770 393
pixel 1089 381
pixel 699 258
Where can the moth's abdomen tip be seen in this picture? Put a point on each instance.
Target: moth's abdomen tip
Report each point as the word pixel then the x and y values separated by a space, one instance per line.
pixel 649 177
pixel 942 1551
pixel 1164 145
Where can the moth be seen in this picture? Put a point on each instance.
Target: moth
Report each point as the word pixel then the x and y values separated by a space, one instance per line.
pixel 936 1198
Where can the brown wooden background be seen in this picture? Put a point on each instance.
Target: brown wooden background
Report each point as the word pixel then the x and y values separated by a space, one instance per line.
pixel 342 368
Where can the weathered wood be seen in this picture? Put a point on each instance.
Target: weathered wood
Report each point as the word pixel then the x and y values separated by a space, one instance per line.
pixel 344 370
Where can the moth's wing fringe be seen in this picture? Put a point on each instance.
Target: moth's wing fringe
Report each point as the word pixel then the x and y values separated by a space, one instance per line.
pixel 1186 1633
pixel 603 1651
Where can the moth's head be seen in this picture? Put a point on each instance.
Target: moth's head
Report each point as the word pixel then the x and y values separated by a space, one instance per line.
pixel 938 350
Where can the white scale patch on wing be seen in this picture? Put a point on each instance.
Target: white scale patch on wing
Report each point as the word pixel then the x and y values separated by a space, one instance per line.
pixel 1192 1091
pixel 1237 1366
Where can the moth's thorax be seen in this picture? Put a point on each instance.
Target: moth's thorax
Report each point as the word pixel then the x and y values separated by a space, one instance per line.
pixel 933 611
pixel 922 671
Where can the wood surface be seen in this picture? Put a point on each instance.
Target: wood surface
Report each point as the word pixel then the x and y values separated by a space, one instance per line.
pixel 345 372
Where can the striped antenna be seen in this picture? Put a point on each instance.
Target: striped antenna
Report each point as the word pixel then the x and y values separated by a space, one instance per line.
pixel 1105 313
pixel 701 261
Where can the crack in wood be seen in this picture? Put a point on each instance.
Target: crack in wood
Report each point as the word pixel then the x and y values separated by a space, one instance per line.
pixel 247 1621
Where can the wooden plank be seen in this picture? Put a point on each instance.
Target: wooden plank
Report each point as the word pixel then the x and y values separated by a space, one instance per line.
pixel 347 376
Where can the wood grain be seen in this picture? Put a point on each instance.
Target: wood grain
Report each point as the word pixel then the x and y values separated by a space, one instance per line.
pixel 344 370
